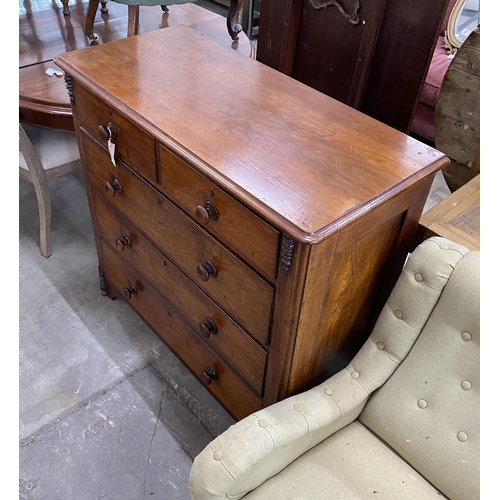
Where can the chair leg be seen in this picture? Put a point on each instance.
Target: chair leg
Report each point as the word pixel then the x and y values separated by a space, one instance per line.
pixel 89 20
pixel 65 7
pixel 233 28
pixel 39 180
pixel 133 20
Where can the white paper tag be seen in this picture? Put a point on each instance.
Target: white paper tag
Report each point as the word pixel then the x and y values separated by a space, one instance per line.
pixel 111 149
pixel 52 72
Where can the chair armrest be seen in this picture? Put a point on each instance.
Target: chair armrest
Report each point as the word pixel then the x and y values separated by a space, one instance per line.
pixel 264 443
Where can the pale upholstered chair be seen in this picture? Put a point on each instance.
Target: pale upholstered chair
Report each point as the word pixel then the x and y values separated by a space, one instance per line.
pixel 400 422
pixel 133 15
pixel 44 154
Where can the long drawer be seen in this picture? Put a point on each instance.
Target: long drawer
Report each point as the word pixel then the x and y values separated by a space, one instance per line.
pixel 217 376
pixel 232 284
pixel 221 215
pixel 216 329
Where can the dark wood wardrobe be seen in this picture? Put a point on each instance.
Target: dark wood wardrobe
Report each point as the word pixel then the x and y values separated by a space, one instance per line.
pixel 375 61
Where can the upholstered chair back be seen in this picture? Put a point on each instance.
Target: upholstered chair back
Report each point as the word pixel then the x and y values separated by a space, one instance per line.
pixel 428 410
pixel 414 384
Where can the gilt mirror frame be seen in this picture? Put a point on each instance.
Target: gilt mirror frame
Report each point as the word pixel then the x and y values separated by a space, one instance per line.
pixel 451 43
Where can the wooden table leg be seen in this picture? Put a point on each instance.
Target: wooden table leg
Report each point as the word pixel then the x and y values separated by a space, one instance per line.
pixel 233 27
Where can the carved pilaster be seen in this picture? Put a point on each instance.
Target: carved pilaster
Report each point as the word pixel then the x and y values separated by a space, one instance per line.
pixel 68 80
pixel 102 282
pixel 287 246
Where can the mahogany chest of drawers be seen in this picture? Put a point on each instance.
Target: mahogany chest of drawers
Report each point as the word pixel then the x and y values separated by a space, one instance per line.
pixel 255 224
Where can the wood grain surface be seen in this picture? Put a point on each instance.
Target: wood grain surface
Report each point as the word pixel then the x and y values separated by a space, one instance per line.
pixel 159 314
pixel 44 33
pixel 302 158
pixel 457 217
pixel 229 339
pixel 243 293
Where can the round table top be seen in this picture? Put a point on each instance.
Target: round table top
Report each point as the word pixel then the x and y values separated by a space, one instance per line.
pixel 46 33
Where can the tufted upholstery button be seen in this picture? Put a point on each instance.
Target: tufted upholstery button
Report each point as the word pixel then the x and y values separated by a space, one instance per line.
pixel 466 385
pixel 422 403
pixel 381 345
pixel 297 407
pixel 328 391
pixel 443 246
pixel 263 423
pixel 355 375
pixel 398 314
pixel 218 455
pixel 419 277
pixel 462 437
pixel 466 336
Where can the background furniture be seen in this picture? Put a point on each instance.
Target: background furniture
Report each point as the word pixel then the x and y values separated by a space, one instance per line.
pixel 255 227
pixel 67 12
pixel 423 119
pixel 233 28
pixel 377 65
pixel 250 13
pixel 400 421
pixel 464 19
pixel 459 14
pixel 45 33
pixel 457 217
pixel 458 113
pixel 44 154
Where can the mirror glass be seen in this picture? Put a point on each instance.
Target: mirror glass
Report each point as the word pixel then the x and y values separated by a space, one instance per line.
pixel 467 20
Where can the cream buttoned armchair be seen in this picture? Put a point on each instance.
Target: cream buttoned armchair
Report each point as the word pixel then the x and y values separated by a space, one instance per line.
pixel 400 422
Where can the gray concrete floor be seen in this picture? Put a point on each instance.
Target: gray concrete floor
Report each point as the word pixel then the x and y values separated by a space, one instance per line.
pixel 105 409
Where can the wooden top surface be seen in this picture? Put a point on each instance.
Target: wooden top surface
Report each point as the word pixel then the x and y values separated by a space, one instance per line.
pixel 458 217
pixel 306 161
pixel 44 32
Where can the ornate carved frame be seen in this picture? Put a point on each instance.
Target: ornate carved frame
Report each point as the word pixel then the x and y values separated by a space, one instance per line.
pixel 451 44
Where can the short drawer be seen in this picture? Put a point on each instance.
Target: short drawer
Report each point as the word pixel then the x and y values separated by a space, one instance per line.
pixel 232 223
pixel 164 319
pixel 215 328
pixel 132 145
pixel 229 282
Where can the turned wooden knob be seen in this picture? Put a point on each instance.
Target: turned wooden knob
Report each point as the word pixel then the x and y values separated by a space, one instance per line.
pixel 114 187
pixel 207 212
pixel 205 271
pixel 108 132
pixel 123 242
pixel 129 291
pixel 208 375
pixel 207 328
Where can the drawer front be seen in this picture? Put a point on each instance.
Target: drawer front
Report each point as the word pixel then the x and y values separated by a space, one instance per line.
pixel 215 328
pixel 221 215
pixel 132 145
pixel 225 385
pixel 233 285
